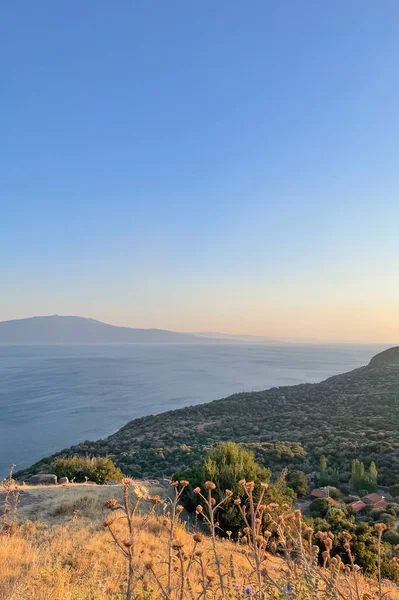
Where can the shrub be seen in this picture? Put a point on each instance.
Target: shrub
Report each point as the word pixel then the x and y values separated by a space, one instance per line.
pixel 392 537
pixel 319 507
pixel 298 482
pixel 226 465
pixel 97 469
pixel 394 490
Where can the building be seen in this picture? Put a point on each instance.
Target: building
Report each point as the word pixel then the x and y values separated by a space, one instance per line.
pixel 333 502
pixel 320 493
pixel 375 500
pixel 357 506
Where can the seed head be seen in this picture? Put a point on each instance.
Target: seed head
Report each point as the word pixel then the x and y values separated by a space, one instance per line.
pixel 210 485
pixel 380 528
pixel 127 481
pixel 267 534
pixel 176 545
pixel 264 485
pixel 346 570
pixel 228 493
pixel 198 537
pixel 111 503
pixel 197 490
pixel 128 542
pixel 259 539
pixel 199 509
pixel 174 484
pixel 155 500
pixel 184 483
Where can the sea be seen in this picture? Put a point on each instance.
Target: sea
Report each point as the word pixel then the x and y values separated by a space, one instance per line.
pixel 54 396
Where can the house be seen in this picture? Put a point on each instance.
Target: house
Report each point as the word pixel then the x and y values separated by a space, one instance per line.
pixel 357 506
pixel 374 500
pixel 320 493
pixel 333 502
pixel 325 494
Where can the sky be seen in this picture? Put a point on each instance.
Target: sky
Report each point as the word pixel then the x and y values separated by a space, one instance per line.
pixel 219 166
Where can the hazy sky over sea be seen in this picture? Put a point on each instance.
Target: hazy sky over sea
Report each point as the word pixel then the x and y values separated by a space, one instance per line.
pixel 220 166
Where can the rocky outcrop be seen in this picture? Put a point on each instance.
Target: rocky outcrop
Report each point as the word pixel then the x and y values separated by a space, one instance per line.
pixel 63 480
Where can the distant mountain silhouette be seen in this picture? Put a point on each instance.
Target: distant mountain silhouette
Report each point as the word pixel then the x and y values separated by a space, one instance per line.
pixel 79 330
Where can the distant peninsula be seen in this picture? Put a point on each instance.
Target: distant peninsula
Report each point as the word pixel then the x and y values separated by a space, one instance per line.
pixel 57 329
pixel 346 417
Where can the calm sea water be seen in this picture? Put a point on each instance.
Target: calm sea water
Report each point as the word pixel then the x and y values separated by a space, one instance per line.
pixel 54 396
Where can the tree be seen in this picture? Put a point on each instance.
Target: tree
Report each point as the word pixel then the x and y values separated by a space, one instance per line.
pixel 225 465
pixel 228 463
pixel 361 480
pixel 373 472
pixel 319 508
pixel 357 479
pixel 298 482
pixel 394 490
pixel 323 463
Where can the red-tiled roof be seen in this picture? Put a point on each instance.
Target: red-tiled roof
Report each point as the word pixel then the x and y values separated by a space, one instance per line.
pixel 357 506
pixel 333 502
pixel 373 499
pixel 319 493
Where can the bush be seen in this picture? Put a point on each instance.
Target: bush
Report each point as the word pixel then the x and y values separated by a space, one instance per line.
pixel 97 469
pixel 319 508
pixel 392 537
pixel 394 490
pixel 226 465
pixel 298 482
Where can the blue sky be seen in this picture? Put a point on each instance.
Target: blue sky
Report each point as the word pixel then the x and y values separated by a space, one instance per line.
pixel 227 166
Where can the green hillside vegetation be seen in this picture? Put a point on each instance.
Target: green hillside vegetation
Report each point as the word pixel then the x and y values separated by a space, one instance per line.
pixel 346 417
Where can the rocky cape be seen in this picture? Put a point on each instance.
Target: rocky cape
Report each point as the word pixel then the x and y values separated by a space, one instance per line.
pixel 353 415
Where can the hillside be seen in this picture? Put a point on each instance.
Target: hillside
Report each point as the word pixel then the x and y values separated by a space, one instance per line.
pixel 68 543
pixel 78 330
pixel 354 415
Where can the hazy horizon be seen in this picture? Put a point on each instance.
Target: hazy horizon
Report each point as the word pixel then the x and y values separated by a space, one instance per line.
pixel 218 167
pixel 224 336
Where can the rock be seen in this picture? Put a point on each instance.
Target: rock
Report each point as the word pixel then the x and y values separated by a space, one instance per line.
pixel 63 480
pixel 43 479
pixel 91 482
pixel 111 482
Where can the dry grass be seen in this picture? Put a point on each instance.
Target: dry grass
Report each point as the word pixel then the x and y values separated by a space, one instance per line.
pixel 56 504
pixel 73 557
pixel 75 562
